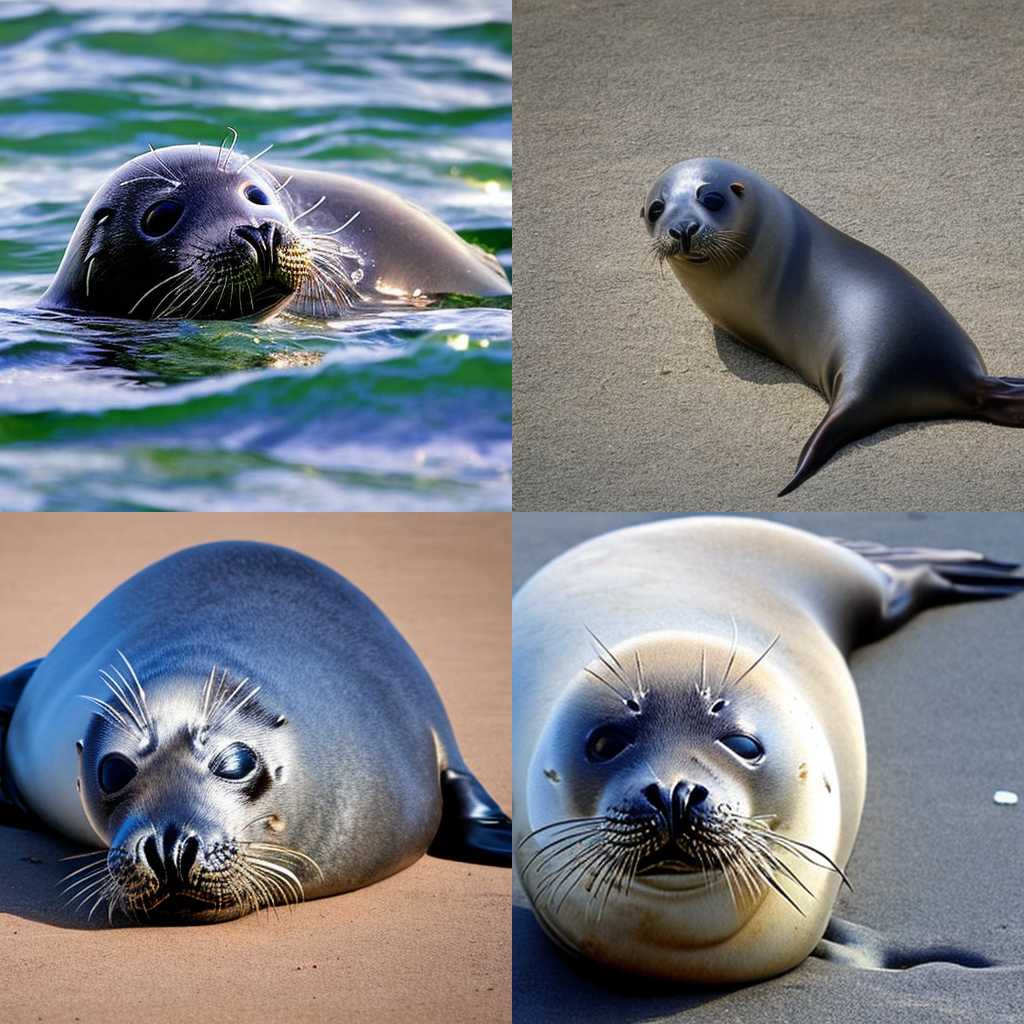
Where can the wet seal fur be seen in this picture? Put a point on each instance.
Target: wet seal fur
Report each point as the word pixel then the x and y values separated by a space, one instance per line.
pixel 234 727
pixel 854 324
pixel 195 232
pixel 688 750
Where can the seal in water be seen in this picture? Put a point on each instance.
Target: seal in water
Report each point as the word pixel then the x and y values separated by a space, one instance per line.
pixel 192 232
pixel 688 750
pixel 239 726
pixel 851 322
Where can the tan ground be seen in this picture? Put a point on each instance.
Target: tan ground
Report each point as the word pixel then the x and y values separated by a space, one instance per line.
pixel 432 943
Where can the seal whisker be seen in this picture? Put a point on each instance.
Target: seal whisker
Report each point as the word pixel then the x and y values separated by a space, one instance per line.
pixel 253 159
pixel 79 856
pixel 757 661
pixel 322 199
pixel 556 824
pixel 326 234
pixel 289 851
pixel 157 285
pixel 222 157
pixel 732 653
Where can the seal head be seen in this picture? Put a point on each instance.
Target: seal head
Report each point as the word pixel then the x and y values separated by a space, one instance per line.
pixel 184 231
pixel 668 801
pixel 182 785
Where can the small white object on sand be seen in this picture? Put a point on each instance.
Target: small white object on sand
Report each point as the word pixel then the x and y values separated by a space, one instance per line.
pixel 1004 796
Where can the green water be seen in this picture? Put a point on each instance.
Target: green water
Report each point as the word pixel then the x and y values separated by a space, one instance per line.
pixel 406 410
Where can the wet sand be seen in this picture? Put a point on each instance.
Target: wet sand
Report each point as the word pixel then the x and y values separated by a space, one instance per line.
pixel 430 944
pixel 899 123
pixel 937 863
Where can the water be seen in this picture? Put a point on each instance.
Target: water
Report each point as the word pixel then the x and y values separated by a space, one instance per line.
pixel 408 410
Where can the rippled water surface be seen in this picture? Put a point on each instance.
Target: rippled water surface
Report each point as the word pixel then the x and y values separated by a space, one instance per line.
pixel 403 410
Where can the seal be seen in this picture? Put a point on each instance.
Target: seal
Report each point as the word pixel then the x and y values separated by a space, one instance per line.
pixel 238 726
pixel 688 749
pixel 854 324
pixel 193 232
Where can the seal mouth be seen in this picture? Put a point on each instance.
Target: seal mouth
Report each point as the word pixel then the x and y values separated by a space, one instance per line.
pixel 668 861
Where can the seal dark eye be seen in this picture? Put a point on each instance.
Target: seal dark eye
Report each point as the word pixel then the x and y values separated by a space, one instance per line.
pixel 161 217
pixel 256 195
pixel 234 762
pixel 606 742
pixel 743 746
pixel 655 210
pixel 711 200
pixel 116 771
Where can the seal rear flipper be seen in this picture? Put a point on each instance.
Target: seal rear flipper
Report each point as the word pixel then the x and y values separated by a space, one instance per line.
pixel 1002 400
pixel 922 578
pixel 853 945
pixel 12 811
pixel 836 430
pixel 473 827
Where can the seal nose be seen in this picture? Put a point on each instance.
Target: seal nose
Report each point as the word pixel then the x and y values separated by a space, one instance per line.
pixel 683 232
pixel 678 807
pixel 172 855
pixel 265 239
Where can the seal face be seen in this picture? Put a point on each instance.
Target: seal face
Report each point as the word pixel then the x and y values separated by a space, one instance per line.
pixel 195 232
pixel 270 738
pixel 689 759
pixel 856 326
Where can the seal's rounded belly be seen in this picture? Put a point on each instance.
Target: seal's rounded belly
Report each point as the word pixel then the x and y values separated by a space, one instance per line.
pixel 689 758
pixel 240 726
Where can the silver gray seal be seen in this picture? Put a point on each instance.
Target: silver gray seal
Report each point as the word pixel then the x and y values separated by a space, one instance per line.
pixel 238 726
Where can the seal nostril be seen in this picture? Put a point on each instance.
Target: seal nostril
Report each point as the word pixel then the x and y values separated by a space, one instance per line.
pixel 656 798
pixel 151 852
pixel 187 857
pixel 676 233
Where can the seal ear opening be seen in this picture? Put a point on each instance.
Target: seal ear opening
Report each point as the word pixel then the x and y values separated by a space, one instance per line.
pixel 738 187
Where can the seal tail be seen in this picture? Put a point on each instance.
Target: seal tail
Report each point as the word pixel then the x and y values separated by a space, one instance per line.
pixel 1002 400
pixel 920 578
pixel 473 827
pixel 837 429
pixel 11 685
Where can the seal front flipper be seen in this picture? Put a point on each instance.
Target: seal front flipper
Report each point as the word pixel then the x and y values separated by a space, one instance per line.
pixel 12 811
pixel 840 426
pixel 920 578
pixel 473 827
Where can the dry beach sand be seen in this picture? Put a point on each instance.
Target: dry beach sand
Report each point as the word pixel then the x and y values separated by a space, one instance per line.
pixel 431 943
pixel 937 862
pixel 899 123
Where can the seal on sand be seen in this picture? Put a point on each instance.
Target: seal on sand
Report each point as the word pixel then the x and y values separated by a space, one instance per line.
pixel 238 726
pixel 851 322
pixel 195 232
pixel 688 750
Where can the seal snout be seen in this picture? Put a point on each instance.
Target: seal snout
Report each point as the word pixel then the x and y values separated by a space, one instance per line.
pixel 170 856
pixel 680 808
pixel 683 232
pixel 265 241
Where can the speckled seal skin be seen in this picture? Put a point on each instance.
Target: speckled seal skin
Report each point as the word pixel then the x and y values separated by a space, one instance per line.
pixel 688 750
pixel 197 232
pixel 238 726
pixel 854 324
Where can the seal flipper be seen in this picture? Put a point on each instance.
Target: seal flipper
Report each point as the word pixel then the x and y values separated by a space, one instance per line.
pixel 837 429
pixel 12 812
pixel 853 945
pixel 1002 400
pixel 920 578
pixel 473 827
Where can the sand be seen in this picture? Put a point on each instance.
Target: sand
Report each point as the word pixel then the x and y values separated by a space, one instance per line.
pixel 900 123
pixel 430 944
pixel 937 862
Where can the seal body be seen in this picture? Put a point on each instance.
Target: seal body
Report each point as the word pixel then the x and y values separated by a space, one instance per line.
pixel 197 232
pixel 689 759
pixel 854 324
pixel 239 726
